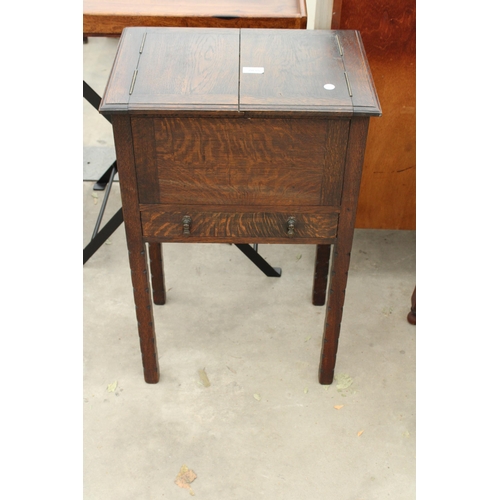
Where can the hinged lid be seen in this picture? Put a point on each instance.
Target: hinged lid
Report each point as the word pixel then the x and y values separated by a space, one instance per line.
pixel 247 71
pixel 159 69
pixel 300 72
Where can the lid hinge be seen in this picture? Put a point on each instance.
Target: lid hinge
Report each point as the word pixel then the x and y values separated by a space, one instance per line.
pixel 348 83
pixel 142 43
pixel 341 50
pixel 134 76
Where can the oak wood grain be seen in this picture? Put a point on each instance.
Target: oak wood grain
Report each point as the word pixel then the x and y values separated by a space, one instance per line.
pixel 342 249
pixel 337 138
pixel 234 161
pixel 242 224
pixel 198 67
pixel 157 273
pixel 136 248
pixel 146 160
pixel 286 82
pixel 321 266
pixel 364 98
pixel 184 71
pixel 116 94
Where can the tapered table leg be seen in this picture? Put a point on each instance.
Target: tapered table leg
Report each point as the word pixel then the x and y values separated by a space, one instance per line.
pixel 321 274
pixel 157 275
pixel 335 305
pixel 136 248
pixel 342 249
pixel 144 312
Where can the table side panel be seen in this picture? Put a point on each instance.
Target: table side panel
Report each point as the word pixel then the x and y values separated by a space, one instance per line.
pixel 145 160
pixel 337 139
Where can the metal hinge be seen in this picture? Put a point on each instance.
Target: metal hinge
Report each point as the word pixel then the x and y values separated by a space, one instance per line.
pixel 348 83
pixel 341 50
pixel 142 43
pixel 134 76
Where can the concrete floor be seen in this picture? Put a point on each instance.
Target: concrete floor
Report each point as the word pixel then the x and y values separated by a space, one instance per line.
pixel 264 427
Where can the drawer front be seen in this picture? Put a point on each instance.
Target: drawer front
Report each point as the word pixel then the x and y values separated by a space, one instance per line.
pixel 224 225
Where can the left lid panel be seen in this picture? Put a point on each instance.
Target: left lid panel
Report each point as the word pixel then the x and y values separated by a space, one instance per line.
pixel 174 69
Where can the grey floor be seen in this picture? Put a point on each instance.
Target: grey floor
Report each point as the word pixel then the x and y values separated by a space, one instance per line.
pixel 238 401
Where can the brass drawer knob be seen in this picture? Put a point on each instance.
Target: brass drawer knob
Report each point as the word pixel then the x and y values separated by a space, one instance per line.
pixel 186 224
pixel 290 225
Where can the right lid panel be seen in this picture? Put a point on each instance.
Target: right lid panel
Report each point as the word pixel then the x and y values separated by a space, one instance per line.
pixel 304 71
pixel 292 70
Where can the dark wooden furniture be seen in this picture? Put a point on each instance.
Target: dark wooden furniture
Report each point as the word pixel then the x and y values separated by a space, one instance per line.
pixel 240 136
pixel 110 17
pixel 387 199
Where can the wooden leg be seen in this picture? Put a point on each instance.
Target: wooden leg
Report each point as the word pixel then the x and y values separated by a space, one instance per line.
pixel 342 249
pixel 157 275
pixel 335 304
pixel 321 274
pixel 412 315
pixel 144 312
pixel 122 133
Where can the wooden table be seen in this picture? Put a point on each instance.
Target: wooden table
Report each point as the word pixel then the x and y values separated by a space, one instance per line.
pixel 110 17
pixel 240 136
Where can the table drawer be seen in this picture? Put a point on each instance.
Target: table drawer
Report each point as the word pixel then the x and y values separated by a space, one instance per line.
pixel 245 225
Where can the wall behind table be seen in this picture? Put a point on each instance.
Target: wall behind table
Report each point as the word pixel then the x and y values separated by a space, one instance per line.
pixel 388 187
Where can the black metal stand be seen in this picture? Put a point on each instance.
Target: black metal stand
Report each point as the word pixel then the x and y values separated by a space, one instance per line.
pixel 258 260
pixel 99 236
pixel 94 99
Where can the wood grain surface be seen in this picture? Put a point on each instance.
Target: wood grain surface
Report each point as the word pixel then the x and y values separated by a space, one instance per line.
pixel 182 71
pixel 321 267
pixel 238 161
pixel 157 273
pixel 342 249
pixel 199 68
pixel 136 248
pixel 240 224
pixel 289 62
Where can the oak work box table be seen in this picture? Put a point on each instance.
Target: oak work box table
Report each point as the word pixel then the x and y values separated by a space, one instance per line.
pixel 239 136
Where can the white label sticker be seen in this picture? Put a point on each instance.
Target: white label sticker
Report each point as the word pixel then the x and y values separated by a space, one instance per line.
pixel 253 69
